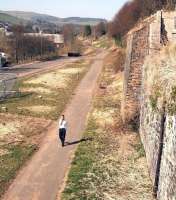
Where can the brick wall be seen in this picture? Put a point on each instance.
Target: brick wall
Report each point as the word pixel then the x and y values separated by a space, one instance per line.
pixel 137 49
pixel 143 40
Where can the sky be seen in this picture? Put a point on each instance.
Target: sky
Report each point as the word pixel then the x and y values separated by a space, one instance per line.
pixel 66 8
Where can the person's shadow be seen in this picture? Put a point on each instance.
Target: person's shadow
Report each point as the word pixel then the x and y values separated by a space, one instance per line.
pixel 79 141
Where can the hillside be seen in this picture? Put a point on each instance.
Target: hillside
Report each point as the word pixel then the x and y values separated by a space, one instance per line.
pixel 34 17
pixel 10 19
pixel 82 21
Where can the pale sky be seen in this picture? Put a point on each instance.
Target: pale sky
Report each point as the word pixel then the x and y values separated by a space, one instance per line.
pixel 66 8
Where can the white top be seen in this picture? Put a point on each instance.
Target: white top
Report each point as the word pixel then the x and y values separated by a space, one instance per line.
pixel 62 124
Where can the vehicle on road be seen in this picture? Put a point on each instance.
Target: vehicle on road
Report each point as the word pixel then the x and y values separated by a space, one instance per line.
pixel 4 59
pixel 74 54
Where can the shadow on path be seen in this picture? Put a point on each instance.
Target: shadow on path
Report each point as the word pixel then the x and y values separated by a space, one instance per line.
pixel 79 141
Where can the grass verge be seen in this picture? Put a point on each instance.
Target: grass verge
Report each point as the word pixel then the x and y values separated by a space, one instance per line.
pixel 46 95
pixel 11 162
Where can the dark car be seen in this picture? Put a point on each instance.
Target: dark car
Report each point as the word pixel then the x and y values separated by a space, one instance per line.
pixel 4 61
pixel 74 54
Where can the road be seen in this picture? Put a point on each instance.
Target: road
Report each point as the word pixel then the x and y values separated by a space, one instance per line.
pixel 44 175
pixel 9 75
pixel 35 67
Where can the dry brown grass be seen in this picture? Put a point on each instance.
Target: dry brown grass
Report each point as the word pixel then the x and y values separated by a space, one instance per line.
pixel 116 59
pixel 113 165
pixel 160 76
pixel 40 94
pixel 17 129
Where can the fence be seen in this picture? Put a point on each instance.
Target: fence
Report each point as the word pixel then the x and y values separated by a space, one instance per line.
pixel 8 86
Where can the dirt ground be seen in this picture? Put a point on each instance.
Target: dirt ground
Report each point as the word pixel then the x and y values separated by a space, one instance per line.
pixel 21 129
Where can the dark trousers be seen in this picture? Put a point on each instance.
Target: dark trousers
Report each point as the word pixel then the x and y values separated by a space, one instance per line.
pixel 62 134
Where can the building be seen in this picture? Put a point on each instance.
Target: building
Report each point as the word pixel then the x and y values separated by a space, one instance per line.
pixel 57 39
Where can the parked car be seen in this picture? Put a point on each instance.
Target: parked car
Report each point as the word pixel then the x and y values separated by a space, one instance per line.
pixel 74 54
pixel 4 60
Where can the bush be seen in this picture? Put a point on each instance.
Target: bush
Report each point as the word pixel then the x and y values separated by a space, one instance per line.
pixel 48 57
pixel 87 30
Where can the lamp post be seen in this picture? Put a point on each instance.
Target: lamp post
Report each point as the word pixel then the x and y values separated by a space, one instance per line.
pixel 0 61
pixel 41 44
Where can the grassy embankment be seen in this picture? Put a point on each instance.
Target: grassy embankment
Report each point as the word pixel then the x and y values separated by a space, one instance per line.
pixel 45 95
pixel 113 165
pixel 42 98
pixel 103 42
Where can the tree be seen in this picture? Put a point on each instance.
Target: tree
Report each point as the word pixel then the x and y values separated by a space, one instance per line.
pixel 125 19
pixel 100 29
pixel 17 44
pixel 3 42
pixel 68 33
pixel 69 36
pixel 28 28
pixel 170 4
pixel 134 10
pixel 24 46
pixel 87 31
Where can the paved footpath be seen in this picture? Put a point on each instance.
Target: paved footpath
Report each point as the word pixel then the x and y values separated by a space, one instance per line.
pixel 44 174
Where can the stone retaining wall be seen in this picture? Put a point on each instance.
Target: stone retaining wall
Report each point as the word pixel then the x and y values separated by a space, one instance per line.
pixel 158 121
pixel 141 41
pixel 149 86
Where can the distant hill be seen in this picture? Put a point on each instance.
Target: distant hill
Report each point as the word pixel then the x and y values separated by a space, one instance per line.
pixel 35 17
pixel 82 21
pixel 10 19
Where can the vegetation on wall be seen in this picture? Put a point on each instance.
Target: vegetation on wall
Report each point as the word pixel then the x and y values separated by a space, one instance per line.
pixel 159 80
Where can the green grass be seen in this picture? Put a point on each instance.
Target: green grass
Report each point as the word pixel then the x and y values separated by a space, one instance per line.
pixel 79 185
pixel 10 163
pixel 84 158
pixel 10 19
pixel 139 148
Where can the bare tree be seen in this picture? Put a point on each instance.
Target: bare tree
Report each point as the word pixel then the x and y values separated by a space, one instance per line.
pixel 100 29
pixel 134 10
pixel 69 36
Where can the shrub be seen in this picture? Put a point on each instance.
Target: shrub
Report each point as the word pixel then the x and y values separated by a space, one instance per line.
pixel 87 30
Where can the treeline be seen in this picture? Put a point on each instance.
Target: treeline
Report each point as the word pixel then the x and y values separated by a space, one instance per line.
pixel 134 10
pixel 21 46
pixel 72 35
pixel 94 31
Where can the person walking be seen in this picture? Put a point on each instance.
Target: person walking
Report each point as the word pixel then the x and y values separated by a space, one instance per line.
pixel 62 129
